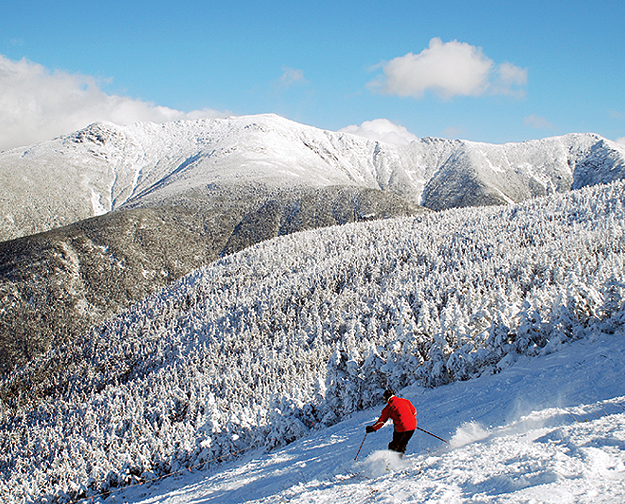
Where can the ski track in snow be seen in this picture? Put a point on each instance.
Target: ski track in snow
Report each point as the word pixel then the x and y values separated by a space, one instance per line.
pixel 545 430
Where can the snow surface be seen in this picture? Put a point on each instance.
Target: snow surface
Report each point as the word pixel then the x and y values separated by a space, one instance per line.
pixel 545 430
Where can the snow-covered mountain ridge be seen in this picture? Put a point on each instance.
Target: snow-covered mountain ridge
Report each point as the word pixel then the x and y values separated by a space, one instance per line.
pixel 104 167
pixel 301 331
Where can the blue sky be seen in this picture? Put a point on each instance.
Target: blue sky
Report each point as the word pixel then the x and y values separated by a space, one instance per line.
pixel 492 71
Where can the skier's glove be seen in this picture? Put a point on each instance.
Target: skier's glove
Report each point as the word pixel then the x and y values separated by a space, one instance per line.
pixel 369 429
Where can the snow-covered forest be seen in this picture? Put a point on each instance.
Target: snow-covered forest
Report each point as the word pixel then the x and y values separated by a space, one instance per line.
pixel 295 334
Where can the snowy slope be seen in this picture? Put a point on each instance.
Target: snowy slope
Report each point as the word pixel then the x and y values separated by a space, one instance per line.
pixel 546 430
pixel 57 285
pixel 103 167
pixel 297 333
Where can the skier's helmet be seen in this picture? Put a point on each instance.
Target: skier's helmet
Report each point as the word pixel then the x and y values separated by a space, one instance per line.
pixel 388 393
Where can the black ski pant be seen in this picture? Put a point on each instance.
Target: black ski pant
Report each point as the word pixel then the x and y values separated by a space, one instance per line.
pixel 400 441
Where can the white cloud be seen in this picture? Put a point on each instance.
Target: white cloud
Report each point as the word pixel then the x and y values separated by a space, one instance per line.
pixel 453 132
pixel 509 80
pixel 37 104
pixel 291 76
pixel 382 130
pixel 538 122
pixel 449 69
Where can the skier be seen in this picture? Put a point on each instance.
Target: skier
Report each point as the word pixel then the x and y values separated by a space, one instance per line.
pixel 404 416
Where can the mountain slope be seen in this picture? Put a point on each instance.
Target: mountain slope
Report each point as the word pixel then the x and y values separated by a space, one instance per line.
pixel 549 429
pixel 104 167
pixel 221 185
pixel 56 286
pixel 301 331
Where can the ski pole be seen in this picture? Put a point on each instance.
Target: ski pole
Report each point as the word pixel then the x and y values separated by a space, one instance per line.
pixel 434 435
pixel 363 442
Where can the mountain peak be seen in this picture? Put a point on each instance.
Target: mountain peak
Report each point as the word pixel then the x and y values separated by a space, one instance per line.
pixel 104 166
pixel 98 133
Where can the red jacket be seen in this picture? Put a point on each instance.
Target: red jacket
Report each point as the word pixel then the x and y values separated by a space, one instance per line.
pixel 401 411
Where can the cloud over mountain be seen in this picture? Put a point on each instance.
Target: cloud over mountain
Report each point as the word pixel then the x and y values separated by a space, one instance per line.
pixel 382 130
pixel 449 69
pixel 291 76
pixel 37 104
pixel 538 122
